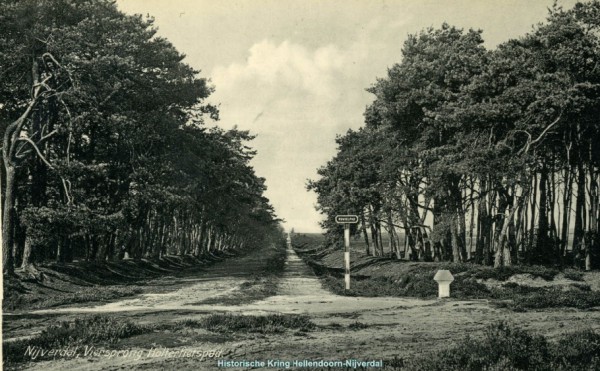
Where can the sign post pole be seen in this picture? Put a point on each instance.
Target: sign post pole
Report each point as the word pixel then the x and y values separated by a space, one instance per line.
pixel 346 220
pixel 347 254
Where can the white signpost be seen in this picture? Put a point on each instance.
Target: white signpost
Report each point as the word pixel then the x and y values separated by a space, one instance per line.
pixel 346 220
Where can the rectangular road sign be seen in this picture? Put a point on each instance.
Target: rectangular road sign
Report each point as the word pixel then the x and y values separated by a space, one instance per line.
pixel 343 219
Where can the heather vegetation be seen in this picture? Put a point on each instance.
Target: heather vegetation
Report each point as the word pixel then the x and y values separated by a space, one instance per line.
pixel 517 287
pixel 507 347
pixel 106 332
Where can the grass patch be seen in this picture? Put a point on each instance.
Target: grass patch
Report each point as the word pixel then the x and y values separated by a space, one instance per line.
pixel 526 298
pixel 573 275
pixel 410 279
pixel 357 326
pixel 504 273
pixel 419 283
pixel 230 323
pixel 270 324
pixel 249 291
pixel 91 294
pixel 504 347
pixel 415 286
pixel 275 263
pixel 106 331
pixel 334 325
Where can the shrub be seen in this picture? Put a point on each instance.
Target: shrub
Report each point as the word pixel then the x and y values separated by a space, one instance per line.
pixel 556 298
pixel 512 290
pixel 421 285
pixel 504 273
pixel 357 326
pixel 581 349
pixel 469 288
pixel 93 329
pixel 274 323
pixel 502 347
pixel 582 287
pixel 457 268
pixel 96 293
pixel 276 262
pixel 573 274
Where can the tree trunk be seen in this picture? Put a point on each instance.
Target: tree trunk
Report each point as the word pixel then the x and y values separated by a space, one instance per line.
pixel 579 211
pixel 456 253
pixel 27 261
pixel 591 243
pixel 472 219
pixel 567 196
pixel 393 237
pixel 542 243
pixel 503 256
pixel 364 232
pixel 8 219
pixel 532 221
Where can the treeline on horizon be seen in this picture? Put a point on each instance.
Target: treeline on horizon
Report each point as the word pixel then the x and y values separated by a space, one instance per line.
pixel 106 152
pixel 499 148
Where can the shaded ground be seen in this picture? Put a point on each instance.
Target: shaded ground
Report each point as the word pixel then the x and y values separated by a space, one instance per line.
pixel 83 282
pixel 347 327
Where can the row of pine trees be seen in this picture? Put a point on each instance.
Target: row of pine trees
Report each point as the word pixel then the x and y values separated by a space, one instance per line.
pixel 470 154
pixel 106 152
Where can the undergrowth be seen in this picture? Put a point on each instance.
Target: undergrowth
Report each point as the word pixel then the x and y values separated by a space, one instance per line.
pixel 526 298
pixel 108 331
pixel 274 323
pixel 509 295
pixel 91 294
pixel 504 347
pixel 407 279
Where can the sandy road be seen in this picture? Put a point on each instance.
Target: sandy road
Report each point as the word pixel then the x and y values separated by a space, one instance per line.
pixel 349 327
pixel 299 291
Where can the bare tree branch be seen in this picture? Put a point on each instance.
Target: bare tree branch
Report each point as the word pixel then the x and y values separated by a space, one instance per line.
pixel 547 128
pixel 13 130
pixel 21 155
pixel 49 55
pixel 67 190
pixel 47 136
pixel 37 150
pixel 65 182
pixel 540 137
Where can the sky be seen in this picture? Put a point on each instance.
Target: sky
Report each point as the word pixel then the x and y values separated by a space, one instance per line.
pixel 294 72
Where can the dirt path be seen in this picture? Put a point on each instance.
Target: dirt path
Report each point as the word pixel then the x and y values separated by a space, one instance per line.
pixel 299 291
pixel 348 327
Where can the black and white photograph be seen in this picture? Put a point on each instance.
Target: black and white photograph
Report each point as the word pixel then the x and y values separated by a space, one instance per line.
pixel 328 185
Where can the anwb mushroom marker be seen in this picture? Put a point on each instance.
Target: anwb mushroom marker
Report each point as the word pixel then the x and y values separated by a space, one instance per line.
pixel 444 278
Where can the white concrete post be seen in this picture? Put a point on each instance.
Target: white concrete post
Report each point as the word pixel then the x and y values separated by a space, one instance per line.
pixel 444 278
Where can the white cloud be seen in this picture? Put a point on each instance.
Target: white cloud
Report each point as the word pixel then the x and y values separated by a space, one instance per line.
pixel 287 65
pixel 297 99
